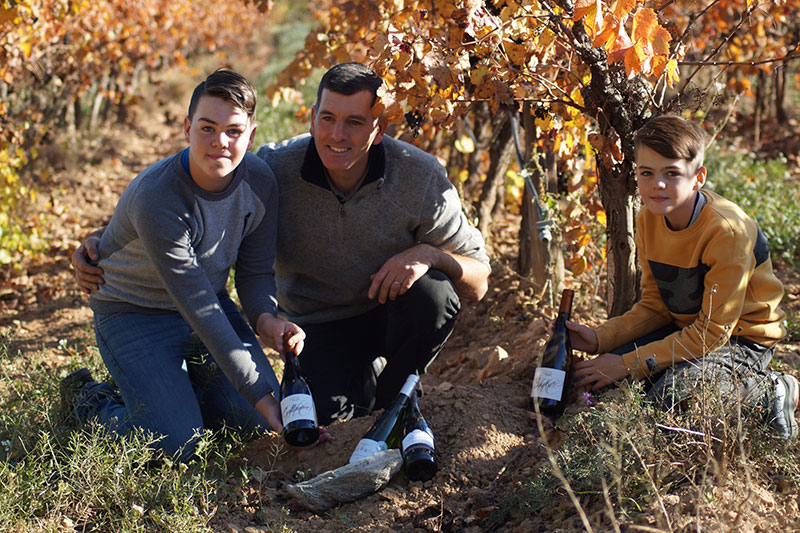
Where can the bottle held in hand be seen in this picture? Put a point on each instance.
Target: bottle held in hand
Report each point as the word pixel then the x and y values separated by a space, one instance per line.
pixel 299 414
pixel 552 378
pixel 387 429
pixel 419 460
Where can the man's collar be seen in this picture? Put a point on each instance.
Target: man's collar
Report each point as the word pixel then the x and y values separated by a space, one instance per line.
pixel 313 171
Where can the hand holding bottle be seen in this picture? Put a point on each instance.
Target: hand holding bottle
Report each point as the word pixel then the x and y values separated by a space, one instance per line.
pixel 279 334
pixel 582 337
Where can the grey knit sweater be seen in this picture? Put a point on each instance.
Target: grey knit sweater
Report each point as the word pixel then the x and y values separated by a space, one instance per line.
pixel 327 249
pixel 170 245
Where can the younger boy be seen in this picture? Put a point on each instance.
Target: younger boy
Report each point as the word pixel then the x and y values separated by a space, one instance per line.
pixel 709 307
pixel 176 231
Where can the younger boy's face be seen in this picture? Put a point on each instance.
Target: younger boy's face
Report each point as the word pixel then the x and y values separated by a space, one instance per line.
pixel 668 186
pixel 219 135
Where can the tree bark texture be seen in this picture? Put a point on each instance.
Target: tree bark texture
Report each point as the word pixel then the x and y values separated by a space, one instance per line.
pixel 620 106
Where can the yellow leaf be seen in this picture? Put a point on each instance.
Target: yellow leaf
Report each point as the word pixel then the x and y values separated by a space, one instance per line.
pixel 26 48
pixel 465 145
pixel 673 74
pixel 578 265
pixel 517 53
pixel 600 216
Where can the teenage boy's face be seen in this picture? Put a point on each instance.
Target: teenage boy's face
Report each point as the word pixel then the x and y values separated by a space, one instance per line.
pixel 667 186
pixel 219 135
pixel 344 130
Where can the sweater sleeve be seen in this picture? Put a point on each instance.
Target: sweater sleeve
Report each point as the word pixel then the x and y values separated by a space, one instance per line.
pixel 443 224
pixel 254 273
pixel 166 240
pixel 731 263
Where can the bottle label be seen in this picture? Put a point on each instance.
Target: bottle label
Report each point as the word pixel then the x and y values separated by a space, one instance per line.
pixel 548 383
pixel 298 407
pixel 417 437
pixel 366 448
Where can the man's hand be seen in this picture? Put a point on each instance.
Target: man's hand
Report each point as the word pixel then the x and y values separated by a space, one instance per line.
pixel 582 337
pixel 401 271
pixel 88 276
pixel 274 331
pixel 596 373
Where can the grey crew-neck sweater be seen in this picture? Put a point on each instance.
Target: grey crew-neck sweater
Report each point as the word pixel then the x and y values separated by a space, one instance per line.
pixel 170 246
pixel 328 247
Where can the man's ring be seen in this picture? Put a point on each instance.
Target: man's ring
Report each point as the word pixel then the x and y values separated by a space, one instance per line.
pixel 396 282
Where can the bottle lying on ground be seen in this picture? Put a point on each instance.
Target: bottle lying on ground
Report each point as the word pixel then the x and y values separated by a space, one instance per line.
pixel 299 414
pixel 419 460
pixel 387 430
pixel 552 378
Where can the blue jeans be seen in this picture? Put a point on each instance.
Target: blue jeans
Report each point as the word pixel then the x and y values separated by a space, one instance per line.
pixel 168 383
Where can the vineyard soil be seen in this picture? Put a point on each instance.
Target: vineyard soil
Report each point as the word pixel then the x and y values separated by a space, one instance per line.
pixel 475 394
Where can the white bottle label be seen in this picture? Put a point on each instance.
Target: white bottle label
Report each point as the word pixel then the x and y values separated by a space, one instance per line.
pixel 548 383
pixel 366 448
pixel 298 407
pixel 417 437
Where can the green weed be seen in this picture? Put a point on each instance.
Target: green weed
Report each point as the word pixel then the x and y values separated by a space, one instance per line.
pixel 765 191
pixel 55 477
pixel 624 460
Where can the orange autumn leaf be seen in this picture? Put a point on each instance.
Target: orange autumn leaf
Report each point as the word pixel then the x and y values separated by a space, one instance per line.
pixel 660 38
pixel 620 46
pixel 645 22
pixel 623 8
pixel 590 9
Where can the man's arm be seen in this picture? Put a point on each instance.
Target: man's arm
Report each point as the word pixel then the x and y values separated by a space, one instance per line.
pixel 402 270
pixel 88 276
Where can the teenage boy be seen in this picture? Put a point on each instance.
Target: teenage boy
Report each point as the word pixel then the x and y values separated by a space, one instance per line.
pixel 709 308
pixel 373 254
pixel 176 231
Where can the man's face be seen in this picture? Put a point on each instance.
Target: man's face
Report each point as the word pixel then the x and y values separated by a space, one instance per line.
pixel 219 135
pixel 667 186
pixel 344 130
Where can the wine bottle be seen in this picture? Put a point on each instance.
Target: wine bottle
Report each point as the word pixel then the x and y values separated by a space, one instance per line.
pixel 386 431
pixel 299 414
pixel 552 378
pixel 419 461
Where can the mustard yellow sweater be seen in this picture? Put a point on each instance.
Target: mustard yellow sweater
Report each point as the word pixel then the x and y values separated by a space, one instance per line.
pixel 713 280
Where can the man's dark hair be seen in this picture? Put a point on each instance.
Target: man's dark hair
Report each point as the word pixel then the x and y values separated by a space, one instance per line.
pixel 348 79
pixel 228 85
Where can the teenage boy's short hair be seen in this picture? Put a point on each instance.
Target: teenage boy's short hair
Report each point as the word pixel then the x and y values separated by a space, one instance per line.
pixel 349 79
pixel 673 137
pixel 227 85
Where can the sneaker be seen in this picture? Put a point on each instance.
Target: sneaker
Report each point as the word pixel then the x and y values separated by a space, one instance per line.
pixel 787 394
pixel 70 390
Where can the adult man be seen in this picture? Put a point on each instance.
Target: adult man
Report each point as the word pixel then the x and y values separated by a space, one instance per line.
pixel 373 249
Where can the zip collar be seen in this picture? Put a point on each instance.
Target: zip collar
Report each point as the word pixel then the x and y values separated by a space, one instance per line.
pixel 313 171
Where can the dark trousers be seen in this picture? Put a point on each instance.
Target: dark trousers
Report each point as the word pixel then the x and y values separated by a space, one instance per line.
pixel 736 370
pixel 408 333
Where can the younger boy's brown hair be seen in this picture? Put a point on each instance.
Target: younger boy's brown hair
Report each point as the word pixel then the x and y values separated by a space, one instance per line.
pixel 673 137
